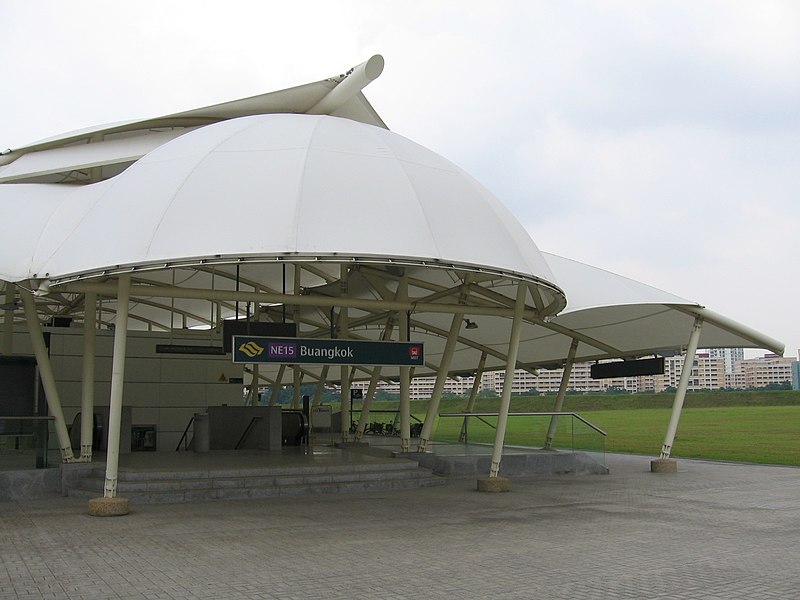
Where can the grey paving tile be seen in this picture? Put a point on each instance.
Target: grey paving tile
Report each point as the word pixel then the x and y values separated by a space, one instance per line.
pixel 712 531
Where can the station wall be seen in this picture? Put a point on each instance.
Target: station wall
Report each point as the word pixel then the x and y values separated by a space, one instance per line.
pixel 164 390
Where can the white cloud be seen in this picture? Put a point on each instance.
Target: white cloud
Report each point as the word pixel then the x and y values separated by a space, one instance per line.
pixel 657 139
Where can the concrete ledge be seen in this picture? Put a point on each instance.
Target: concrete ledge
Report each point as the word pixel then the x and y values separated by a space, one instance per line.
pixel 414 455
pixel 27 484
pixel 72 473
pixel 664 465
pixel 108 507
pixel 344 445
pixel 494 484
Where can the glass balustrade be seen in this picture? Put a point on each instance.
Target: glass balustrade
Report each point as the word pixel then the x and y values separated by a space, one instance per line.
pixel 523 431
pixel 27 443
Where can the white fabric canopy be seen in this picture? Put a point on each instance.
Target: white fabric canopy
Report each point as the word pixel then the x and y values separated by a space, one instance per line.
pixel 56 161
pixel 225 195
pixel 637 318
pixel 276 185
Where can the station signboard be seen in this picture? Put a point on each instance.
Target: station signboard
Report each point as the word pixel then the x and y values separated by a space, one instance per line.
pixel 292 351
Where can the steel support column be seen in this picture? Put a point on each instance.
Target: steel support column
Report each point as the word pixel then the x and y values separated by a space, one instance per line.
pixel 683 384
pixel 8 320
pixel 508 381
pixel 276 386
pixel 297 382
pixel 323 377
pixel 345 370
pixel 473 395
pixel 366 406
pixel 562 392
pixel 444 366
pixel 252 395
pixel 46 376
pixel 297 376
pixel 345 402
pixel 117 382
pixel 87 384
pixel 405 372
pixel 441 378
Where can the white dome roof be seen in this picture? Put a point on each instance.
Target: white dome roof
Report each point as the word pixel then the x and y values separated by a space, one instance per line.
pixel 283 185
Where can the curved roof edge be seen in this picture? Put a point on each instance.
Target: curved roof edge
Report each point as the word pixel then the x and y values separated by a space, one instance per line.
pixel 593 287
pixel 338 95
pixel 613 299
pixel 758 339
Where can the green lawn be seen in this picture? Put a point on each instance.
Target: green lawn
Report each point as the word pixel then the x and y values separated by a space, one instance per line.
pixel 758 427
pixel 759 434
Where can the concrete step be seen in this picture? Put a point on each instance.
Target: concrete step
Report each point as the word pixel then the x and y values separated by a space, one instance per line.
pixel 165 482
pixel 184 486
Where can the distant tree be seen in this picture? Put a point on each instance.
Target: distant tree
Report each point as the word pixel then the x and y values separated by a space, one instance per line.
pixel 613 389
pixel 286 394
pixel 783 385
pixel 487 393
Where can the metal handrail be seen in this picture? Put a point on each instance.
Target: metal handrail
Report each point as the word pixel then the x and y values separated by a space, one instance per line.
pixel 384 410
pixel 527 414
pixel 184 436
pixel 482 420
pixel 246 432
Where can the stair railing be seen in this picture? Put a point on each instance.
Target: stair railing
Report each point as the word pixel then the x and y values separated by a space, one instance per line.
pixel 246 432
pixel 578 435
pixel 184 438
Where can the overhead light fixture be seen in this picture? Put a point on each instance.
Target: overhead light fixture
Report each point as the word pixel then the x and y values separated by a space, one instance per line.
pixel 470 324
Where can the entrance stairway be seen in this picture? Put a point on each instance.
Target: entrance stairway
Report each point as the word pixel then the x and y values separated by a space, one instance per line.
pixel 153 486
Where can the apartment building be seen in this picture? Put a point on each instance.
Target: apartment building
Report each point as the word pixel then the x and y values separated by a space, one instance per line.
pixel 760 372
pixel 709 372
pixel 547 381
pixel 422 387
pixel 730 355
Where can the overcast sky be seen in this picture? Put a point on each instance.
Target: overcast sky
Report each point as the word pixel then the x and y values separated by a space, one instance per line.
pixel 656 139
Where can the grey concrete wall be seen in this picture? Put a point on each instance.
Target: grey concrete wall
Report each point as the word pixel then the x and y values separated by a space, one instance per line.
pixel 162 389
pixel 227 424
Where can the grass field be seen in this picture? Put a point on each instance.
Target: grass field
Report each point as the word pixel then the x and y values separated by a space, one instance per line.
pixel 758 427
pixel 758 434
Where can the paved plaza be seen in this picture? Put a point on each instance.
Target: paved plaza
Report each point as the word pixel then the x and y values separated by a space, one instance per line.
pixel 713 531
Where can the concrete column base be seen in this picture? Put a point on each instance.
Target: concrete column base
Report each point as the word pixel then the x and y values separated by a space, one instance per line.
pixel 664 465
pixel 494 484
pixel 108 507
